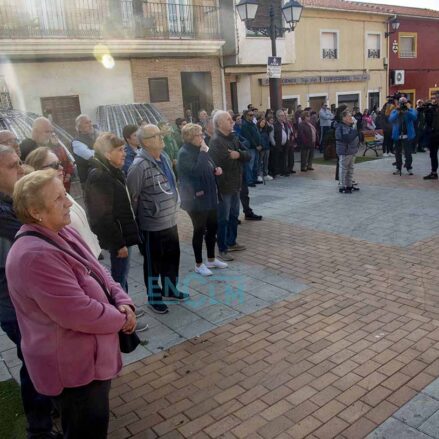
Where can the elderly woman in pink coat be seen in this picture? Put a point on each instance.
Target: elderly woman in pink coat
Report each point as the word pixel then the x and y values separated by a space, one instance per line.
pixel 69 329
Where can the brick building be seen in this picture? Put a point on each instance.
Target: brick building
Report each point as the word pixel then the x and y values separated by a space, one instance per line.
pixel 69 56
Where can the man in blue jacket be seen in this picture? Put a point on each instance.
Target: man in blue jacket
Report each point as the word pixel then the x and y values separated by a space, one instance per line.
pixel 37 408
pixel 403 132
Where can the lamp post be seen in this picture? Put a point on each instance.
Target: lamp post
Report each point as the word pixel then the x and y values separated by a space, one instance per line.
pixel 292 10
pixel 394 22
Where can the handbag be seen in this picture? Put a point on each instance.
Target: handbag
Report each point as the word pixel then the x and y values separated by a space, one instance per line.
pixel 127 342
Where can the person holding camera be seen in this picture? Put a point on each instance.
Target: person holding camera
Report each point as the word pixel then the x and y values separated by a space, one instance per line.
pixel 402 119
pixel 347 142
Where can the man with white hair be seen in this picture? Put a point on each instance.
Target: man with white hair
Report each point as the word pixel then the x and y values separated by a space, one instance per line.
pixel 43 134
pixel 8 138
pixel 37 408
pixel 227 153
pixel 42 131
pixel 82 145
pixel 152 186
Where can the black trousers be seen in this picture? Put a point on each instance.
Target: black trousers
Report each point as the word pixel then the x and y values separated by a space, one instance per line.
pixel 245 198
pixel 433 157
pixel 275 161
pixel 37 408
pixel 387 142
pixel 400 146
pixel 161 261
pixel 287 158
pixel 205 225
pixel 85 410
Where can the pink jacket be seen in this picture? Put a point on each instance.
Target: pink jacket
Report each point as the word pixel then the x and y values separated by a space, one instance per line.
pixel 69 330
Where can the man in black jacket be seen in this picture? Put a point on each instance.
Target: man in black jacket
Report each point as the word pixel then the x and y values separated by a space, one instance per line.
pixel 227 153
pixel 37 408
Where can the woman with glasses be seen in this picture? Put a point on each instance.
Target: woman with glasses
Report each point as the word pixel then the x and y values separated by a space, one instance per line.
pixel 43 158
pixel 199 195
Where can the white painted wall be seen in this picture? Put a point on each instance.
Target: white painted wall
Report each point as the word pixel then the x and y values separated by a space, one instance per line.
pixel 243 87
pixel 95 85
pixel 256 50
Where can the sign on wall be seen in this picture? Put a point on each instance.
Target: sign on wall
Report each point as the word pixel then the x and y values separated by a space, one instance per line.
pixel 322 79
pixel 274 67
pixel 395 47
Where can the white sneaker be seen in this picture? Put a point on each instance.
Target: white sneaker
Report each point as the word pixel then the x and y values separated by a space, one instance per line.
pixel 260 179
pixel 268 177
pixel 216 264
pixel 203 270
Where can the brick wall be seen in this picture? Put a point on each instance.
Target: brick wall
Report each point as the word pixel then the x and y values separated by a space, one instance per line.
pixel 142 69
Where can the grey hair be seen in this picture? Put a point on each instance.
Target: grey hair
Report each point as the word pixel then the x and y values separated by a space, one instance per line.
pixel 280 112
pixel 141 131
pixel 79 120
pixel 4 149
pixel 38 122
pixel 346 113
pixel 218 117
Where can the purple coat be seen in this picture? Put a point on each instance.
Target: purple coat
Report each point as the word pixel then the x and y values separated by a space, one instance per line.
pixel 69 330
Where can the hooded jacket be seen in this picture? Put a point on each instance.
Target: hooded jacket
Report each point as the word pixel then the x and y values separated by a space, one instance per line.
pixel 347 140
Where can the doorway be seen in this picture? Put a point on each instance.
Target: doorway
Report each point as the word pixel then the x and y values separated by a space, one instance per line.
pixel 290 104
pixel 234 97
pixel 316 102
pixel 197 91
pixel 374 100
pixel 62 110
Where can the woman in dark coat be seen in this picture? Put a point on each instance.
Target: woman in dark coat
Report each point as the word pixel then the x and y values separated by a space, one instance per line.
pixel 308 139
pixel 109 206
pixel 199 195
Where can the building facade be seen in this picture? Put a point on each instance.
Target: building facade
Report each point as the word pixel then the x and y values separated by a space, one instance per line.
pixel 337 54
pixel 60 58
pixel 414 67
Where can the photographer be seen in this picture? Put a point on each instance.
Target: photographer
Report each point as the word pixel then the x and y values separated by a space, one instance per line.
pixel 403 132
pixel 431 112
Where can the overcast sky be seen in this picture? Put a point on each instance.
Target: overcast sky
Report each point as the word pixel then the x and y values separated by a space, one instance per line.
pixel 430 4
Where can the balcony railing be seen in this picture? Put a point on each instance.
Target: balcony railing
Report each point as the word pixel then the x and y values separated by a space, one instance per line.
pixel 373 53
pixel 407 54
pixel 329 53
pixel 107 19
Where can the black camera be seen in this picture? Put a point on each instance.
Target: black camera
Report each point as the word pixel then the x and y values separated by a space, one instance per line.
pixel 395 97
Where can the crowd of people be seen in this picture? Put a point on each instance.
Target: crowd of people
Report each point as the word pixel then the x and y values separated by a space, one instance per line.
pixel 66 320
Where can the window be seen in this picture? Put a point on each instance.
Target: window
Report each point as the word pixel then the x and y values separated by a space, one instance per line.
pixel 351 99
pixel 410 94
pixel 158 90
pixel 374 100
pixel 373 46
pixel 407 45
pixel 329 44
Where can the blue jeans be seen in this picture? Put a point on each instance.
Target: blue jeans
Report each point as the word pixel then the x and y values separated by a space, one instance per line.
pixel 37 407
pixel 228 212
pixel 120 268
pixel 253 164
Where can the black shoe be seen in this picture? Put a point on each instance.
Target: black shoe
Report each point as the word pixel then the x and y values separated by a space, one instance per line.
pixel 251 185
pixel 397 172
pixel 303 170
pixel 239 222
pixel 285 174
pixel 421 150
pixel 253 217
pixel 101 257
pixel 310 169
pixel 345 190
pixel 159 307
pixel 292 172
pixel 259 182
pixel 180 296
pixel 394 164
pixel 432 176
pixel 354 188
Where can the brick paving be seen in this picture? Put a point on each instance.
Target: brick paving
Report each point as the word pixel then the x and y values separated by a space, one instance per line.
pixel 338 358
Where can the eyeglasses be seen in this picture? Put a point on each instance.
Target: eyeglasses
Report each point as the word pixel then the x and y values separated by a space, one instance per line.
pixel 54 165
pixel 154 135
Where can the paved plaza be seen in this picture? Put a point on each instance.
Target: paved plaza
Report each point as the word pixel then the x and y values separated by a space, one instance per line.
pixel 326 327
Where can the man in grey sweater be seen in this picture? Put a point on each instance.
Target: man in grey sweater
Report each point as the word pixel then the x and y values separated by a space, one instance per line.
pixel 154 196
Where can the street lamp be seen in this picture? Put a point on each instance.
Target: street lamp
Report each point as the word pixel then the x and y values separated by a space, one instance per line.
pixel 394 22
pixel 291 11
